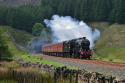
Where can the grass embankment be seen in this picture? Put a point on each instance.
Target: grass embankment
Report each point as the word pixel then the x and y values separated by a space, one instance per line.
pixel 38 59
pixel 13 73
pixel 21 38
pixel 111 46
pixel 4 30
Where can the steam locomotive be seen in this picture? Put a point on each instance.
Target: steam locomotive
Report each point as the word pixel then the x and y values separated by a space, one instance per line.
pixel 75 48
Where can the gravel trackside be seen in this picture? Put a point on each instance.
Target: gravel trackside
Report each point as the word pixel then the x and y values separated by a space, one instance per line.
pixel 108 68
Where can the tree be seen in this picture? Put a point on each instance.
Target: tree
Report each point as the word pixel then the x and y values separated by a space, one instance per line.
pixel 20 19
pixel 3 12
pixel 24 17
pixel 103 10
pixel 4 52
pixel 112 16
pixel 37 28
pixel 120 14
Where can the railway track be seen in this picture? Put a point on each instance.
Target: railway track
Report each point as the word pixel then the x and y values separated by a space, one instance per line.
pixel 108 68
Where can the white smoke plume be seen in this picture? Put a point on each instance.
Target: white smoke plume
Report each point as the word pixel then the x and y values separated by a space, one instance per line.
pixel 66 28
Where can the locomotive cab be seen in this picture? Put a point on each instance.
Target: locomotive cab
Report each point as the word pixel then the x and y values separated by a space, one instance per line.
pixel 85 51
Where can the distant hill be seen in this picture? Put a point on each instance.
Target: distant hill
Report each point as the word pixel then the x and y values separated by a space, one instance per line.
pixel 111 45
pixel 19 2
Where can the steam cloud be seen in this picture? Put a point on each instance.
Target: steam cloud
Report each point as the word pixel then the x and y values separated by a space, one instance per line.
pixel 34 46
pixel 66 28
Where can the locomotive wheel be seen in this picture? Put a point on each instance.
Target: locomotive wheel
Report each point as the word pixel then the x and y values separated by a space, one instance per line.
pixel 90 58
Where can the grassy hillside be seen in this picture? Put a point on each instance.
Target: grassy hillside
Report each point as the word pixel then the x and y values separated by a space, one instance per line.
pixel 20 37
pixel 13 38
pixel 7 36
pixel 99 25
pixel 16 40
pixel 111 46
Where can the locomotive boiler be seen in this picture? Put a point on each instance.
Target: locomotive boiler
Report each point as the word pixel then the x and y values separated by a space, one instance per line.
pixel 75 48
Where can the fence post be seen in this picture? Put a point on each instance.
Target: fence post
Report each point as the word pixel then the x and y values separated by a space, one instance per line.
pixel 111 80
pixel 55 79
pixel 76 81
pixel 70 79
pixel 103 79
